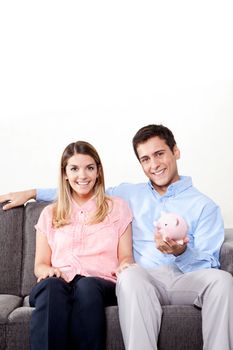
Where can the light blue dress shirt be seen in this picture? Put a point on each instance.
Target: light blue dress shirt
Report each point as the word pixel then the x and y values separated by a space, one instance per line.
pixel 206 229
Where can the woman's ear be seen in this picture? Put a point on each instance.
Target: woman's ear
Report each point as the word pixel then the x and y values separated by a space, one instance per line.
pixel 98 171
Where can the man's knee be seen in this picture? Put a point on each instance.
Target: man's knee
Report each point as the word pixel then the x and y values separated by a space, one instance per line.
pixel 131 276
pixel 225 280
pixel 221 281
pixel 134 281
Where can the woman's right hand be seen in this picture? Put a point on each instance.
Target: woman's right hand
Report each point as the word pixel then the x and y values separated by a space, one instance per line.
pixel 49 272
pixel 15 199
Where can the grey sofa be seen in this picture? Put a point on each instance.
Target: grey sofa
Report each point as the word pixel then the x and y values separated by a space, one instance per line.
pixel 181 325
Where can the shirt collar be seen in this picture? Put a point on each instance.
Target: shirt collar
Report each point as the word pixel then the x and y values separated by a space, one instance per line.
pixel 90 205
pixel 175 188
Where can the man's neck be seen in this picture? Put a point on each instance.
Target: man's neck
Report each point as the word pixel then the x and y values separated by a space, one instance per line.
pixel 163 189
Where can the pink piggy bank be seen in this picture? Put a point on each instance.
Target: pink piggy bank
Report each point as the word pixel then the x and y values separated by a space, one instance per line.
pixel 173 226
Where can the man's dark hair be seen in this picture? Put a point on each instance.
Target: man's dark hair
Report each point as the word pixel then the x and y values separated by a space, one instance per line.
pixel 152 130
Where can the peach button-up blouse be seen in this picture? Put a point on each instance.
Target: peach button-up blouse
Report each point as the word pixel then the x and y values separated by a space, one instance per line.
pixel 80 248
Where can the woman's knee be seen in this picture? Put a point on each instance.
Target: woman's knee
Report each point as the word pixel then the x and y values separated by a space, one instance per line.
pixel 46 288
pixel 86 288
pixel 89 295
pixel 53 284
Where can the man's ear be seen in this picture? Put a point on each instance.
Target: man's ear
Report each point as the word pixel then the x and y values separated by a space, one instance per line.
pixel 176 152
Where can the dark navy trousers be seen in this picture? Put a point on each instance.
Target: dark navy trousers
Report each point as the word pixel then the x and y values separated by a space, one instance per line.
pixel 70 316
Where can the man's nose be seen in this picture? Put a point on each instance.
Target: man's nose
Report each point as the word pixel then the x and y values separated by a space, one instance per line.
pixel 154 162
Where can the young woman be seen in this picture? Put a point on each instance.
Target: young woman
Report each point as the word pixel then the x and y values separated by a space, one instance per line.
pixel 83 242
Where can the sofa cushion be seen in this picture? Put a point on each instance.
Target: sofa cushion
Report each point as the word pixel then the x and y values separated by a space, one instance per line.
pixel 7 304
pixel 17 329
pixel 114 340
pixel 181 328
pixel 11 225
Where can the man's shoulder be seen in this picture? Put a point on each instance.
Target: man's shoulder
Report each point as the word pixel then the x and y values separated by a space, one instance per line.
pixel 201 201
pixel 189 189
pixel 204 196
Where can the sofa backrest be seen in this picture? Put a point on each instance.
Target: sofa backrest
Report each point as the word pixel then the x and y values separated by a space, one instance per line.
pixel 11 240
pixel 17 248
pixel 226 252
pixel 32 212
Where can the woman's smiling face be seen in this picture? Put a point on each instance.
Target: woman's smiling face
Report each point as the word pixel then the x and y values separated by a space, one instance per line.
pixel 82 173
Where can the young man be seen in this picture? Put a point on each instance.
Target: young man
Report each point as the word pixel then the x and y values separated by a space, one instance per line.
pixel 168 272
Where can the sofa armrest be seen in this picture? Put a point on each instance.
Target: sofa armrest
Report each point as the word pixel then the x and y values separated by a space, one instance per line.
pixel 226 252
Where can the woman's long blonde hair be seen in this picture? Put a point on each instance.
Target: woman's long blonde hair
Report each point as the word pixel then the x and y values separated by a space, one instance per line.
pixel 62 208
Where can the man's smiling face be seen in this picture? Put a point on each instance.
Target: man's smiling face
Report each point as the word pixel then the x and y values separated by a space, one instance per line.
pixel 159 162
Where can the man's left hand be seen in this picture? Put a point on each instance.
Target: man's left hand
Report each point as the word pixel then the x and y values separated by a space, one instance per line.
pixel 169 246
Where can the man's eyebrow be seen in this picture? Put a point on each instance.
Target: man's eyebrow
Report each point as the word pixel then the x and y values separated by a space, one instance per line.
pixel 145 156
pixel 160 150
pixel 154 153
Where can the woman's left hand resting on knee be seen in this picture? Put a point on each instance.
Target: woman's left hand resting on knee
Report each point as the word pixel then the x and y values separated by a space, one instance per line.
pixel 121 268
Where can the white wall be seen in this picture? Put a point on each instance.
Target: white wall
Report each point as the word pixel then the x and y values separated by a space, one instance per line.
pixel 99 70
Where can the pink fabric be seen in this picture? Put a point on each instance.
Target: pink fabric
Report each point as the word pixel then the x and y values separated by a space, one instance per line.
pixel 88 250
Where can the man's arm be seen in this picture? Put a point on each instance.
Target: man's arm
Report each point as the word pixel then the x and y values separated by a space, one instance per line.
pixel 204 246
pixel 16 199
pixel 201 250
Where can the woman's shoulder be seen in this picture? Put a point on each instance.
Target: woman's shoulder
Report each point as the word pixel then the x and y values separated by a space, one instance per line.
pixel 48 210
pixel 118 205
pixel 117 200
pixel 44 223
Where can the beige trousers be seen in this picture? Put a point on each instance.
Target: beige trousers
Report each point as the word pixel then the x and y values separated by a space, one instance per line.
pixel 141 293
